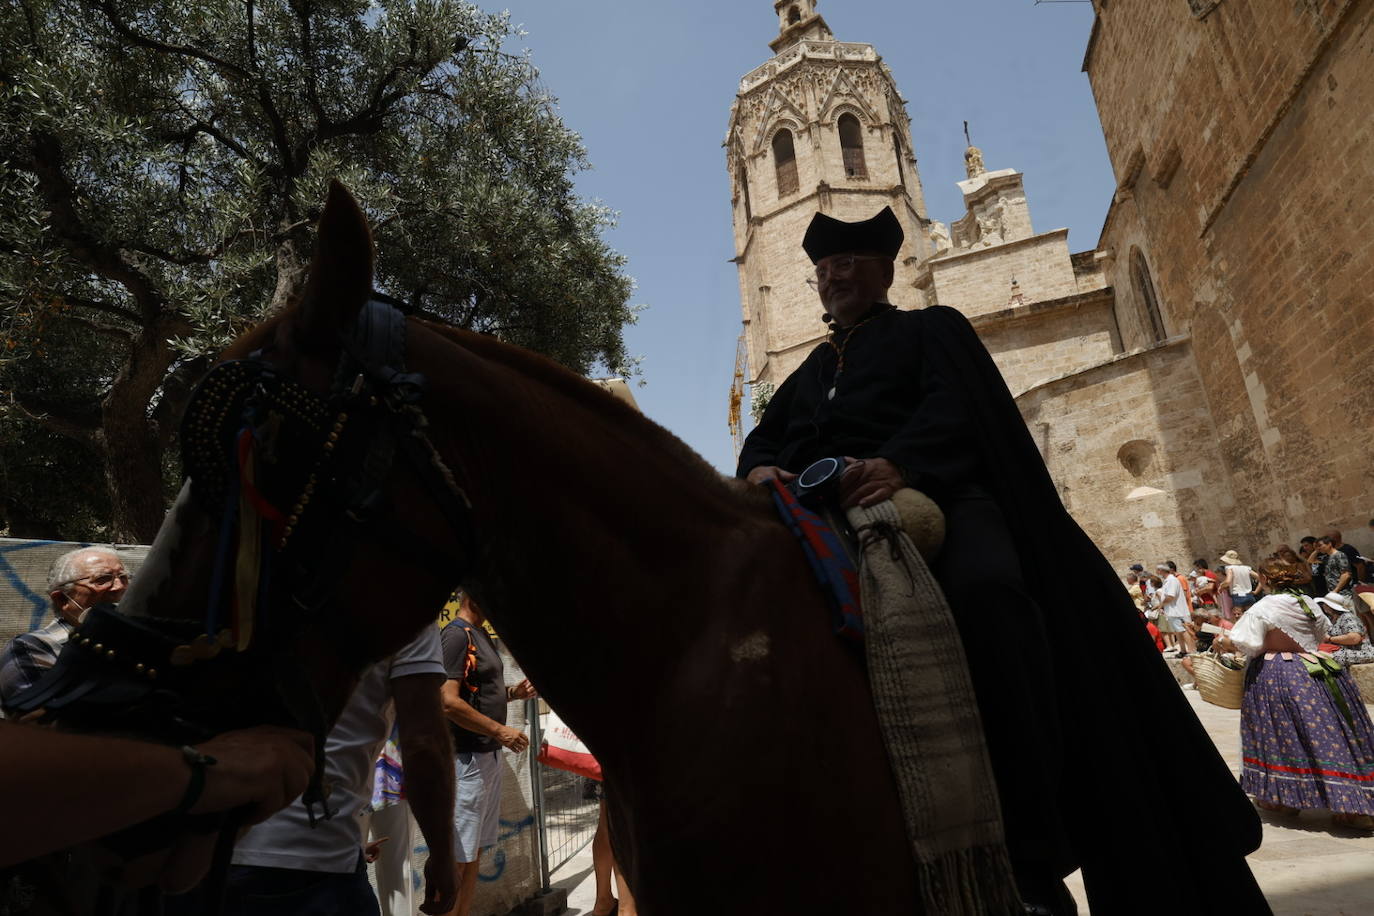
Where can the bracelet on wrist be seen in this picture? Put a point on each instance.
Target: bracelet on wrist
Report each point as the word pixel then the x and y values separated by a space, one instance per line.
pixel 197 762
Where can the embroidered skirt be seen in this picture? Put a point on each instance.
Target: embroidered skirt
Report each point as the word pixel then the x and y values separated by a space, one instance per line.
pixel 1297 748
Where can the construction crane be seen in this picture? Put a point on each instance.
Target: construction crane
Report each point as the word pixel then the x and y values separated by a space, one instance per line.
pixel 737 394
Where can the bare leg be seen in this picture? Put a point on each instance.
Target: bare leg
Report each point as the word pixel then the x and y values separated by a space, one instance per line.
pixel 627 899
pixel 603 863
pixel 1189 640
pixel 467 885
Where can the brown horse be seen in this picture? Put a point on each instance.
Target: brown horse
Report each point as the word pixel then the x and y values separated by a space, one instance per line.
pixel 660 608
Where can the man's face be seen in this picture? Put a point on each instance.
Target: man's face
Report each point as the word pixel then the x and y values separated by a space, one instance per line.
pixel 473 609
pixel 100 579
pixel 850 283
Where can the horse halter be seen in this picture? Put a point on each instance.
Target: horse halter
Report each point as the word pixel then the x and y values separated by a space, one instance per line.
pixel 311 471
pixel 295 479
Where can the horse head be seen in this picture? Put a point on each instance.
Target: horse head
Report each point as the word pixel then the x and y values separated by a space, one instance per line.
pixel 317 529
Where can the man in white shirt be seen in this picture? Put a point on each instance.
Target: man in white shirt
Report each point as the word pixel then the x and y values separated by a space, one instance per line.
pixel 284 867
pixel 1175 607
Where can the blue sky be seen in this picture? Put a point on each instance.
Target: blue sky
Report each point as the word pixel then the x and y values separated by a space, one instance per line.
pixel 648 84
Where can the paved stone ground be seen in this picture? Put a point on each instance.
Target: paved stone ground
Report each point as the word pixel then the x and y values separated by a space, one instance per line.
pixel 1306 867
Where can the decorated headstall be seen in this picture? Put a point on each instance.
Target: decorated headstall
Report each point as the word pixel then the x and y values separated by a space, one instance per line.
pixel 294 478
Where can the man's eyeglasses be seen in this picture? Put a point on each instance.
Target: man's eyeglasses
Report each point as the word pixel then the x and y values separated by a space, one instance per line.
pixel 104 580
pixel 841 266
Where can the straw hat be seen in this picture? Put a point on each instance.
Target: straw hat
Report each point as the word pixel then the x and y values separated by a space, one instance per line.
pixel 1231 558
pixel 1334 600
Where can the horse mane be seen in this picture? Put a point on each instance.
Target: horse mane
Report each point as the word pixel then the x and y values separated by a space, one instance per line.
pixel 593 397
pixel 567 384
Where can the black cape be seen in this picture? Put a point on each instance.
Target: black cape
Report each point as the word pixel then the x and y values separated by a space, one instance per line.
pixel 1141 774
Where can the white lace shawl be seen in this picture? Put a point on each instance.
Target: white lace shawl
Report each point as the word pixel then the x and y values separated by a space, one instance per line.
pixel 1279 612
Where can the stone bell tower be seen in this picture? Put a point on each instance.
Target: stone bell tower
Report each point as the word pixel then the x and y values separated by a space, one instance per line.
pixel 818 127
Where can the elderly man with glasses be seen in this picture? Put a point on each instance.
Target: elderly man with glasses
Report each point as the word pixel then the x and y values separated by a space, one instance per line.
pixel 912 398
pixel 77 581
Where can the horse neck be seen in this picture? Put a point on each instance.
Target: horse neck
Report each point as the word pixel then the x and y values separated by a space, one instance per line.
pixel 598 529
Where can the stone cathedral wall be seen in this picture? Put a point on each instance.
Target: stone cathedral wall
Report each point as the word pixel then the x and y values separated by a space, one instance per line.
pixel 1140 475
pixel 1242 136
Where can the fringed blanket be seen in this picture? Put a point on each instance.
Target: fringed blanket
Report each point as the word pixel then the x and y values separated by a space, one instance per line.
pixel 930 722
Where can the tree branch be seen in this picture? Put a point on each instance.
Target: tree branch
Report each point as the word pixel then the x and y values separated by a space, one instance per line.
pixel 144 41
pixel 95 327
pixel 108 308
pixel 176 391
pixel 369 120
pixel 102 259
pixel 81 427
pixel 202 127
pixel 312 89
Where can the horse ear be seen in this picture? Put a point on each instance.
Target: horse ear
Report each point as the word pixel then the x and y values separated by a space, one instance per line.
pixel 341 271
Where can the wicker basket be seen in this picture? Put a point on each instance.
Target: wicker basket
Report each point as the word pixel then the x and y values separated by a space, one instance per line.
pixel 1216 683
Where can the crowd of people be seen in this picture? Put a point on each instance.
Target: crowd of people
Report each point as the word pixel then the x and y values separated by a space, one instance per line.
pixel 443 698
pixel 1296 622
pixel 1177 607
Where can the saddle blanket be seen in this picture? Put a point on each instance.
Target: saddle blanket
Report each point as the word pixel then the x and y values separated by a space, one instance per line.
pixel 829 561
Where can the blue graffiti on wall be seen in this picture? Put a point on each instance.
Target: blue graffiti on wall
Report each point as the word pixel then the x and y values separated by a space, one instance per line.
pixel 495 863
pixel 39 614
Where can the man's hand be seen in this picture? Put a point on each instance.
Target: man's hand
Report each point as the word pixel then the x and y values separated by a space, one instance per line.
pixel 766 472
pixel 257 771
pixel 441 885
pixel 260 769
pixel 868 481
pixel 522 691
pixel 373 851
pixel 512 739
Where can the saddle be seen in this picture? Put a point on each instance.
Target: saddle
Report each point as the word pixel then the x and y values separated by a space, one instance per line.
pixel 810 507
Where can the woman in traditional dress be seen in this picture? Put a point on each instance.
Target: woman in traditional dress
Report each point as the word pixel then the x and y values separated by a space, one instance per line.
pixel 1306 737
pixel 1344 629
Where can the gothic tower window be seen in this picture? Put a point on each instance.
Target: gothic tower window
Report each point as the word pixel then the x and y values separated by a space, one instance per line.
pixel 793 15
pixel 852 146
pixel 742 177
pixel 1145 289
pixel 785 162
pixel 897 151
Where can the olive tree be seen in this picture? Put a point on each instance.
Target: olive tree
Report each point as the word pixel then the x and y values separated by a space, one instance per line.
pixel 165 162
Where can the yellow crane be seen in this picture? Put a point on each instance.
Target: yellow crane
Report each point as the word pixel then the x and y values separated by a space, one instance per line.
pixel 737 394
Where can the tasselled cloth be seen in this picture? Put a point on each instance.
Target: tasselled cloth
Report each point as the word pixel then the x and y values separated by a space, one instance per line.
pixel 931 726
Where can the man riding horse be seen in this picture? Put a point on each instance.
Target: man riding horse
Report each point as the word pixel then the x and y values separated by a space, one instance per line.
pixel 912 399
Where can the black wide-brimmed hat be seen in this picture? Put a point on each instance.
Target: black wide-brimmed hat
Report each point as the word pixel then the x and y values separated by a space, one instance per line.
pixel 826 235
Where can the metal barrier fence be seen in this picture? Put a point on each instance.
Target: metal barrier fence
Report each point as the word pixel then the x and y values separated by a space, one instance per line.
pixel 566 806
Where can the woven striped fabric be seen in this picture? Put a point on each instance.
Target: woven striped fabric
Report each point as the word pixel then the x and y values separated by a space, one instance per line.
pixel 837 575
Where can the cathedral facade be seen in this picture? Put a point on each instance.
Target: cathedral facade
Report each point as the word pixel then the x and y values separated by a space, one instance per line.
pixel 1151 453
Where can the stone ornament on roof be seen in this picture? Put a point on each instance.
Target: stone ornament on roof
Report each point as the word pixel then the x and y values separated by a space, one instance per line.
pixel 973 162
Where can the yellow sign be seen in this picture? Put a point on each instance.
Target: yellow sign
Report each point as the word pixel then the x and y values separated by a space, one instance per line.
pixel 450 611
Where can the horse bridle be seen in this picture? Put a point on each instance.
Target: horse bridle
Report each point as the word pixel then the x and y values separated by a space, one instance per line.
pixel 297 480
